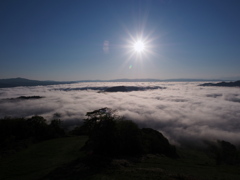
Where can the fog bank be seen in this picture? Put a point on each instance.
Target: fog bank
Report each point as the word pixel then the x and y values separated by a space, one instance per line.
pixel 184 112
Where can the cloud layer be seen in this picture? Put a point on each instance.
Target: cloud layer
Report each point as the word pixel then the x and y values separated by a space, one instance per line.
pixel 184 112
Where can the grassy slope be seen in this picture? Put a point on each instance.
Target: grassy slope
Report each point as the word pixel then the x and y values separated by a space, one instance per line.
pixel 40 159
pixel 193 165
pixel 63 154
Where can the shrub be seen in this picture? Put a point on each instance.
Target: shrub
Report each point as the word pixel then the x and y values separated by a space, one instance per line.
pixel 155 143
pixel 14 131
pixel 223 152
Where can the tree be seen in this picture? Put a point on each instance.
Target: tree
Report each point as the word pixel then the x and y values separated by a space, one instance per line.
pixel 112 135
pixel 38 127
pixel 100 125
pixel 55 129
pixel 128 138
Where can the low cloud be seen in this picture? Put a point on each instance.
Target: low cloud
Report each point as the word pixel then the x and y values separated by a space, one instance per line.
pixel 184 112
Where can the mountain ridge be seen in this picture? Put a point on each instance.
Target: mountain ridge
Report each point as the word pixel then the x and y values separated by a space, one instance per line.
pixel 15 82
pixel 223 84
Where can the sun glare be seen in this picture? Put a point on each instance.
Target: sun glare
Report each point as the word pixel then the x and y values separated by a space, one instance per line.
pixel 139 46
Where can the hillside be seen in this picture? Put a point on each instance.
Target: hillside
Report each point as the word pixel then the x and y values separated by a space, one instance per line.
pixel 61 159
pixel 107 147
pixel 14 82
pixel 223 84
pixel 39 159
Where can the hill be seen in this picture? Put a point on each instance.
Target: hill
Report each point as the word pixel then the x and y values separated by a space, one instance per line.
pixel 223 84
pixel 14 82
pixel 61 159
pixel 114 148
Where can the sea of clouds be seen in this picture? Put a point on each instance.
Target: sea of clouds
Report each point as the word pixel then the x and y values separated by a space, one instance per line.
pixel 187 114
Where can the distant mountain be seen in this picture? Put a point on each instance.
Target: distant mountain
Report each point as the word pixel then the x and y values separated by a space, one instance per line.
pixel 224 84
pixel 14 82
pixel 151 80
pixel 25 98
pixel 130 88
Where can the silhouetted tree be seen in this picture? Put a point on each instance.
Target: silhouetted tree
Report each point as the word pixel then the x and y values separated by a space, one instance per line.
pixel 55 129
pixel 39 127
pixel 100 126
pixel 15 131
pixel 111 135
pixel 12 130
pixel 128 138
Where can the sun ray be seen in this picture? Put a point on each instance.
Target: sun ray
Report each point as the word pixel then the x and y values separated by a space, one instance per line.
pixel 140 48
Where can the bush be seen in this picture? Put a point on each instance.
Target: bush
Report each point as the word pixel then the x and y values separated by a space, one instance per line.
pixel 223 152
pixel 14 131
pixel 155 143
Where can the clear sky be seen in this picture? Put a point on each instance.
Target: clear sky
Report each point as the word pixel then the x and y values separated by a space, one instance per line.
pixel 88 40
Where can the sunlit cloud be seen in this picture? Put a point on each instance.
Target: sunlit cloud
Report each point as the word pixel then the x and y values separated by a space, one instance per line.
pixel 184 112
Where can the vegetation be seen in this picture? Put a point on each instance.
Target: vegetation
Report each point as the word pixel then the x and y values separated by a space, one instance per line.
pixel 113 136
pixel 17 133
pixel 223 152
pixel 41 158
pixel 106 146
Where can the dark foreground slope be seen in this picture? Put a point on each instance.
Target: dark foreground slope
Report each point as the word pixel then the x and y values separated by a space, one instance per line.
pixel 114 148
pixel 61 159
pixel 39 159
pixel 194 165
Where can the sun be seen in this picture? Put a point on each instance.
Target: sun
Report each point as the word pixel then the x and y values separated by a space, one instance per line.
pixel 139 46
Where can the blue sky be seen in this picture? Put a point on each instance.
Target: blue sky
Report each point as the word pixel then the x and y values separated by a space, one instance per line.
pixel 87 40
